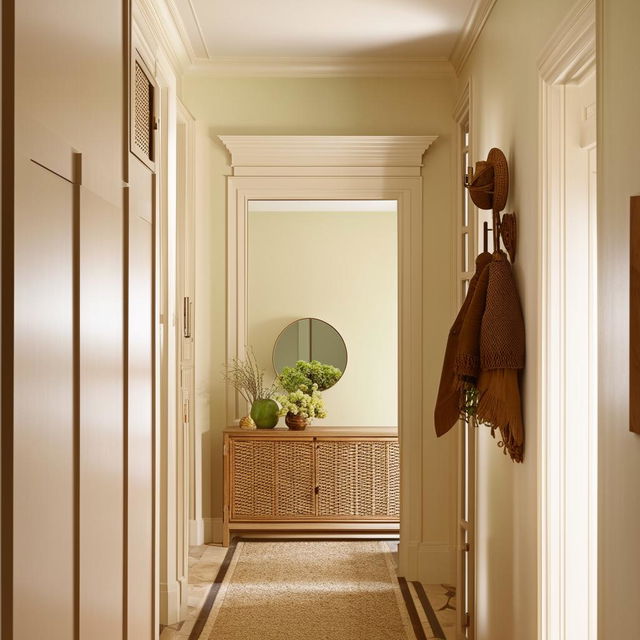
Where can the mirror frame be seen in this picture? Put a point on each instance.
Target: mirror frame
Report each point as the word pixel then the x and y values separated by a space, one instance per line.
pixel 275 344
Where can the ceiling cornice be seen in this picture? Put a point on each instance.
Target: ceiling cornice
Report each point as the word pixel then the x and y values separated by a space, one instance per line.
pixel 322 67
pixel 326 155
pixel 154 16
pixel 471 30
pixel 164 19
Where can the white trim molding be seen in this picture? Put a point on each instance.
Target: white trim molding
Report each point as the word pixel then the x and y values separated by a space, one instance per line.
pixel 327 155
pixel 322 67
pixel 187 48
pixel 567 438
pixel 476 19
pixel 570 53
pixel 275 173
pixel 157 25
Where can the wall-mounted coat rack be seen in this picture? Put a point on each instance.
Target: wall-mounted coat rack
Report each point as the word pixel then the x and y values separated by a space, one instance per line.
pixel 485 353
pixel 489 188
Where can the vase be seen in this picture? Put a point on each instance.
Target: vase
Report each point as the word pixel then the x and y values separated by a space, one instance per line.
pixel 264 412
pixel 296 422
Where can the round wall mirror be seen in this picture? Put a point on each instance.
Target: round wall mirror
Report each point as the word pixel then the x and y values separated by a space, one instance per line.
pixel 309 339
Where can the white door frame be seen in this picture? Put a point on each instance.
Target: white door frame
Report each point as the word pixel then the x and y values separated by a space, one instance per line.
pixel 171 521
pixel 342 168
pixel 465 253
pixel 568 58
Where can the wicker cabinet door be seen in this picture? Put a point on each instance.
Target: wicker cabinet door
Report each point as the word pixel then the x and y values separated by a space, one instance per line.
pixel 253 487
pixel 272 480
pixel 295 480
pixel 336 477
pixel 358 479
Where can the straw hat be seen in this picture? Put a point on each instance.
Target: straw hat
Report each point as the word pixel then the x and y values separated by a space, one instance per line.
pixel 489 186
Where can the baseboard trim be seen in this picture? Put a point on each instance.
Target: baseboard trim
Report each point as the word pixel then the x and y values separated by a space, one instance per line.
pixel 428 563
pixel 171 610
pixel 212 530
pixel 196 532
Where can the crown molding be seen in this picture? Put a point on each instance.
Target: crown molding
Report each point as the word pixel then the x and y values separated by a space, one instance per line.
pixel 471 30
pixel 570 53
pixel 155 17
pixel 327 155
pixel 322 67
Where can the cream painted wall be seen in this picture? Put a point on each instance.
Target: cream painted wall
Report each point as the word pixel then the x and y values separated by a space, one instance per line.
pixel 503 70
pixel 619 450
pixel 347 106
pixel 340 267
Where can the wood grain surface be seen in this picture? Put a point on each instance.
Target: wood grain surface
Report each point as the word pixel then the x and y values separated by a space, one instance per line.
pixel 634 319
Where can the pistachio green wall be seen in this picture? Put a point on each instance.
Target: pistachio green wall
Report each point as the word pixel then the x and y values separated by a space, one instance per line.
pixel 340 267
pixel 329 106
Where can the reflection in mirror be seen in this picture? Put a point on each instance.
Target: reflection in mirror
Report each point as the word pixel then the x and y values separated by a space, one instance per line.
pixel 309 339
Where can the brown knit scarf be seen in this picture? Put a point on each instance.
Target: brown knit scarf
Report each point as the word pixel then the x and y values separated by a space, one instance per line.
pixel 447 410
pixel 490 353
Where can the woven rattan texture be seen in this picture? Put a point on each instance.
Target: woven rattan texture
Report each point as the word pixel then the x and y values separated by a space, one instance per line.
pixel 358 478
pixel 280 479
pixel 272 479
pixel 142 113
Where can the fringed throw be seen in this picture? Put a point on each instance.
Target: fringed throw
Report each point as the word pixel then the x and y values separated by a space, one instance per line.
pixel 489 354
pixel 447 410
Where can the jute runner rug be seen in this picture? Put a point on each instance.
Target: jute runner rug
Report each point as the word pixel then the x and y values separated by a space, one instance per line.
pixel 307 590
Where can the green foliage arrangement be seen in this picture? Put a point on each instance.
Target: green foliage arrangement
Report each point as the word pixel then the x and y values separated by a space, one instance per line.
pixel 248 378
pixel 307 374
pixel 300 403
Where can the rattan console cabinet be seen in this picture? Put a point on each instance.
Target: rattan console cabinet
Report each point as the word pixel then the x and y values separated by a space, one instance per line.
pixel 322 479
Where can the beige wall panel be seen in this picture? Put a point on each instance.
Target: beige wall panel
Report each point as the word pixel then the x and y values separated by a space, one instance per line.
pixel 619 450
pixel 101 421
pixel 140 432
pixel 43 453
pixel 69 62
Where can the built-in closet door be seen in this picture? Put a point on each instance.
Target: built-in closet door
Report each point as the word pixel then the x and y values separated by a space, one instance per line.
pixel 44 496
pixel 140 429
pixel 141 436
pixel 82 513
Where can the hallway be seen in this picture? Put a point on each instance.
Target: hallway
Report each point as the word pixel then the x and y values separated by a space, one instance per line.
pixel 236 240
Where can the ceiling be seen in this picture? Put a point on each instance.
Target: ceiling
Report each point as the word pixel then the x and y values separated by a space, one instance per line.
pixel 218 32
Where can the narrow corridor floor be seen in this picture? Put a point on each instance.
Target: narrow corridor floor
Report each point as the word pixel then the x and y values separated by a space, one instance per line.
pixel 308 590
